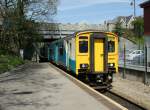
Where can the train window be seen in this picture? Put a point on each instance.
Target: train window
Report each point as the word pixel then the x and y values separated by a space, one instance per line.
pixel 83 37
pixel 111 46
pixel 61 52
pixel 50 51
pixel 83 46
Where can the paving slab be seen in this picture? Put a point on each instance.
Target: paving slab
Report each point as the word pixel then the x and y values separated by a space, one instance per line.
pixel 41 87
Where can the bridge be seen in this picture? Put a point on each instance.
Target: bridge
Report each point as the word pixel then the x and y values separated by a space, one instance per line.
pixel 52 31
pixel 55 34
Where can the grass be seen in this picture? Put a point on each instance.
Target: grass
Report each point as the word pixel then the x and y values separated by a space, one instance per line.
pixel 8 62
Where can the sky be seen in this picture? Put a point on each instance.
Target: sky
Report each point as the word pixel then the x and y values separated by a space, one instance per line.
pixel 94 11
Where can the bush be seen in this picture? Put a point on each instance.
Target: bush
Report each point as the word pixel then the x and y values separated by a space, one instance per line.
pixel 7 62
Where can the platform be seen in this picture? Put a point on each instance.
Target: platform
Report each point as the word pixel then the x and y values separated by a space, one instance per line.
pixel 41 87
pixel 134 91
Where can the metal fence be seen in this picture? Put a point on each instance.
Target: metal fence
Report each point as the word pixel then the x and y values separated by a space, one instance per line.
pixel 135 58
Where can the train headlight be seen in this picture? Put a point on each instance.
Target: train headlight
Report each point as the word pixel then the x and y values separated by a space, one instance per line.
pixel 111 64
pixel 110 77
pixel 99 78
pixel 84 66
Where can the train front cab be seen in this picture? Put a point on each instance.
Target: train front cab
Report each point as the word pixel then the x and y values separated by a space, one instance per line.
pixel 112 53
pixel 92 58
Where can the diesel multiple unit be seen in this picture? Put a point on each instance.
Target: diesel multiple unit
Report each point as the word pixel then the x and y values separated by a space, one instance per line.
pixel 90 55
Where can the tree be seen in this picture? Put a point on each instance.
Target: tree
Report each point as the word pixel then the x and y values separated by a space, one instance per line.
pixel 19 28
pixel 118 29
pixel 138 24
pixel 40 10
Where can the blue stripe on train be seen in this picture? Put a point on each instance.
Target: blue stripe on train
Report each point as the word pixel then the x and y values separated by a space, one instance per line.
pixel 61 58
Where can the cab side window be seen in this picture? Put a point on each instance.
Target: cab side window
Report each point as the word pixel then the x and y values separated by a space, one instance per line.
pixel 83 46
pixel 111 46
pixel 61 52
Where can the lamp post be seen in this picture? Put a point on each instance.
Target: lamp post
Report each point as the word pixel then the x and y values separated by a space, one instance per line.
pixel 133 3
pixel 134 9
pixel 108 27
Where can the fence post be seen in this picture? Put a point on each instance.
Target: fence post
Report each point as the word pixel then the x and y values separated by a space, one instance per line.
pixel 124 70
pixel 145 74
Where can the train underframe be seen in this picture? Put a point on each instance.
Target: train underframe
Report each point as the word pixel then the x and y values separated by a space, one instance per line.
pixel 103 79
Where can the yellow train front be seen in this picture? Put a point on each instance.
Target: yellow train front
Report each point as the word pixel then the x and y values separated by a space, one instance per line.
pixel 90 55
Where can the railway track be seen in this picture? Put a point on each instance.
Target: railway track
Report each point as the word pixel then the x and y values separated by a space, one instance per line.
pixel 118 101
pixel 122 101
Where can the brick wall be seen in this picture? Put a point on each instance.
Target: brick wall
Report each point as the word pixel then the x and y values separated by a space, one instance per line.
pixel 147 20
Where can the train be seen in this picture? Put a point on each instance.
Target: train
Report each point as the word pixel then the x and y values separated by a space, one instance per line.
pixel 90 55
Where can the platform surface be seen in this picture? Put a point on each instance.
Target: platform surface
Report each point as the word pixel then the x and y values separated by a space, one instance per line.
pixel 41 87
pixel 134 91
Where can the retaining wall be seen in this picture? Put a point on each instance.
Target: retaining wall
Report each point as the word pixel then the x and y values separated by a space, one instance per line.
pixel 135 73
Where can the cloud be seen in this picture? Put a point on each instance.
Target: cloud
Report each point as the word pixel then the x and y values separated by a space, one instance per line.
pixel 94 11
pixel 73 4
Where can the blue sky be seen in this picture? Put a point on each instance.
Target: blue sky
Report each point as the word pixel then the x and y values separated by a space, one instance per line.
pixel 94 11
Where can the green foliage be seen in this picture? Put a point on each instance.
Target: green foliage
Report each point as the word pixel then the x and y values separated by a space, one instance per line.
pixel 129 34
pixel 118 29
pixel 18 30
pixel 7 62
pixel 138 24
pixel 135 35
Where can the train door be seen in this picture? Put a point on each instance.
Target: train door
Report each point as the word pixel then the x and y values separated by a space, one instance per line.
pixel 98 53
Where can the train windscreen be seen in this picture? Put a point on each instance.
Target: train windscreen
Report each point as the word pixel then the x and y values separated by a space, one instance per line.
pixel 83 46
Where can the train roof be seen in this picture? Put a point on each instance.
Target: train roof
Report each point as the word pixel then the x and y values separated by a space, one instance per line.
pixel 85 31
pixel 95 31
